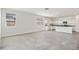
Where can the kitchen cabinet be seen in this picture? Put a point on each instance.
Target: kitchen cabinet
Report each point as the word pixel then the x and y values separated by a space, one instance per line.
pixel 63 29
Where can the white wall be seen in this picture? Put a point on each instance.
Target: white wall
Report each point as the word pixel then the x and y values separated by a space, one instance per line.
pixel 0 22
pixel 0 27
pixel 77 23
pixel 25 23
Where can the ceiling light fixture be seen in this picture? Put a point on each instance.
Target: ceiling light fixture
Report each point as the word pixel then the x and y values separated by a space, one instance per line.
pixel 46 8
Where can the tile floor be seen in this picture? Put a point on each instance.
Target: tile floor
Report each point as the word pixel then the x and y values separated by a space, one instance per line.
pixel 46 40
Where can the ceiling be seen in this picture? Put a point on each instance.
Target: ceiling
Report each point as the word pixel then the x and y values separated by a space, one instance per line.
pixel 51 12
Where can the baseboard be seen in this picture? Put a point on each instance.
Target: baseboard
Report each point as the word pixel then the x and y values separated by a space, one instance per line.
pixel 21 34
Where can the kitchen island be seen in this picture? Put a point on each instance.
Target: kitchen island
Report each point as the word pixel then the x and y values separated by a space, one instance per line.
pixel 64 28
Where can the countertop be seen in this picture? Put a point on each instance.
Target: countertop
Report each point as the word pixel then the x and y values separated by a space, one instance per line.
pixel 63 25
